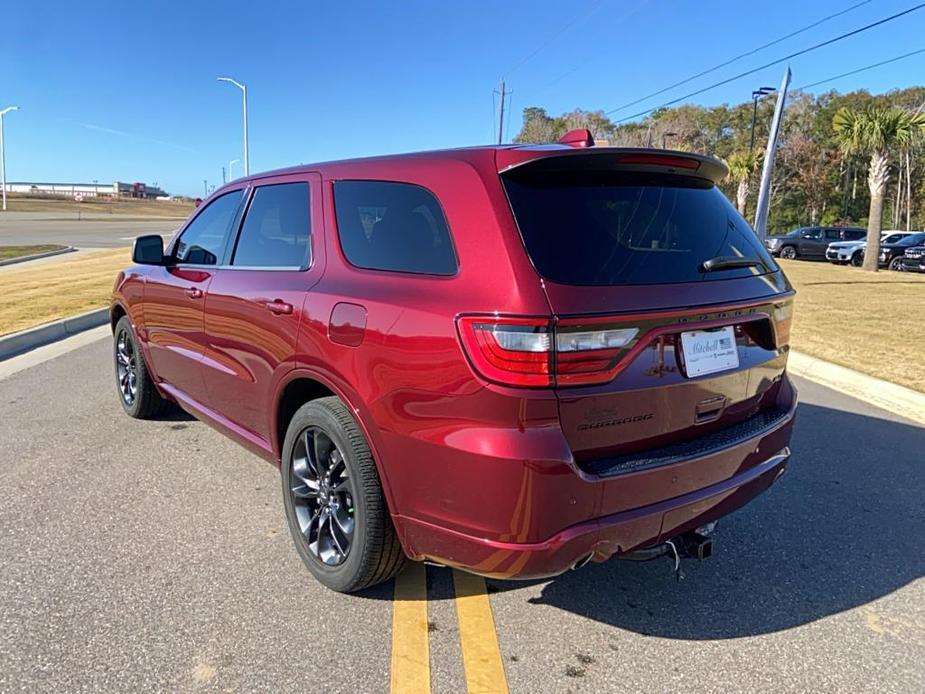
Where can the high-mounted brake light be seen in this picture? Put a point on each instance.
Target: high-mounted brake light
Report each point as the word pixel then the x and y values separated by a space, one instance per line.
pixel 668 161
pixel 534 352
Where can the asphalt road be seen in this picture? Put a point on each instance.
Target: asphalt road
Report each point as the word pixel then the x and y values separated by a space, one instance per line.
pixel 21 228
pixel 154 555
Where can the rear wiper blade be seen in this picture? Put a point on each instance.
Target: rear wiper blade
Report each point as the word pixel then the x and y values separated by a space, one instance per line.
pixel 728 263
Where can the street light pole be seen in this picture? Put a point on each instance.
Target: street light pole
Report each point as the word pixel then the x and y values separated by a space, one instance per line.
pixel 3 153
pixel 757 94
pixel 243 88
pixel 231 168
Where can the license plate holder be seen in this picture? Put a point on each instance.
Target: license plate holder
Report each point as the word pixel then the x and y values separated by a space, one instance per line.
pixel 709 351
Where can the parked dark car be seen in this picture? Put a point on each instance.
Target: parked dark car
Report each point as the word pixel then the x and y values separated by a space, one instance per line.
pixel 891 254
pixel 914 259
pixel 810 242
pixel 513 360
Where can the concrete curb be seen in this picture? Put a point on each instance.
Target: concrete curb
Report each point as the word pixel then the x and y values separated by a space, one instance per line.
pixel 897 399
pixel 25 340
pixel 36 256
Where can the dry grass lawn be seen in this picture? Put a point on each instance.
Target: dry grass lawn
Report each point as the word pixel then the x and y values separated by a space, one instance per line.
pixel 870 322
pixel 161 209
pixel 33 295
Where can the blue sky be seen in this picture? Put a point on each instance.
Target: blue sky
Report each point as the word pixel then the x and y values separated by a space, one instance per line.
pixel 111 92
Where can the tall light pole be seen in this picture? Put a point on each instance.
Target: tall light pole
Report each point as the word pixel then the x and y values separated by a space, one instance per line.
pixel 231 168
pixel 243 88
pixel 757 94
pixel 3 153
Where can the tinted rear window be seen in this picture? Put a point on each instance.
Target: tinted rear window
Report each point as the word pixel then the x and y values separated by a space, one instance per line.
pixel 613 228
pixel 393 226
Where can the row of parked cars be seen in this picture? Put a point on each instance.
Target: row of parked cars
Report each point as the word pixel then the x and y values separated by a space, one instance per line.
pixel 899 250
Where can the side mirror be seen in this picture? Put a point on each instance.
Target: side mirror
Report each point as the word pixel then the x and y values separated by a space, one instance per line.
pixel 148 250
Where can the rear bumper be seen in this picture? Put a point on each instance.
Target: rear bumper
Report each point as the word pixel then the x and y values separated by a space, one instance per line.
pixel 760 461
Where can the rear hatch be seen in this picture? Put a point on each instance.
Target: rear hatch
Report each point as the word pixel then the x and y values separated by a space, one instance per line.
pixel 671 320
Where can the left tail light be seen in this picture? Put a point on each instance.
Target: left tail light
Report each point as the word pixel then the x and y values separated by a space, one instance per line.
pixel 540 353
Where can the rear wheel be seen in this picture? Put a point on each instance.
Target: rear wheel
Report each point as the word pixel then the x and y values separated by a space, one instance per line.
pixel 137 392
pixel 333 499
pixel 788 252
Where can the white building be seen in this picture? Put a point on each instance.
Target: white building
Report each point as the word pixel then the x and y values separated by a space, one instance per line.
pixel 87 190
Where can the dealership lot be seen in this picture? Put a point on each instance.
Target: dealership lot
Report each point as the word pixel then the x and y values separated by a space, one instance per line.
pixel 155 555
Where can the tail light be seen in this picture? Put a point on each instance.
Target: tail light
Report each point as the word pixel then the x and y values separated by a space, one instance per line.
pixel 783 318
pixel 540 353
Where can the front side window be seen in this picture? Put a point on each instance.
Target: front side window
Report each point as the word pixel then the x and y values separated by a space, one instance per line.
pixel 276 229
pixel 393 226
pixel 203 240
pixel 609 228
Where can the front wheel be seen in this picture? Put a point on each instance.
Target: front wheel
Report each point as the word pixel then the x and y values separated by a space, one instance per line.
pixel 897 264
pixel 333 499
pixel 788 253
pixel 857 260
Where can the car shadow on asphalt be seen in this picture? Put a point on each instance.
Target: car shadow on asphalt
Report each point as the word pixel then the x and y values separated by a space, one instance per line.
pixel 840 530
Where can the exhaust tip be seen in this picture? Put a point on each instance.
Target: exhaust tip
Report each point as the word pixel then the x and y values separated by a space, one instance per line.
pixel 581 562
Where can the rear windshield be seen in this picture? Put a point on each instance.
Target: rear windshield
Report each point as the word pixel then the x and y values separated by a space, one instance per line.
pixel 615 228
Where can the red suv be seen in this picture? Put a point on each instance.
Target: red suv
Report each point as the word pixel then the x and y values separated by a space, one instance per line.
pixel 511 359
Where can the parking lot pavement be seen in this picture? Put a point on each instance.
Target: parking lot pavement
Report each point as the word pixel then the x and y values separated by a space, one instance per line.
pixel 22 228
pixel 154 555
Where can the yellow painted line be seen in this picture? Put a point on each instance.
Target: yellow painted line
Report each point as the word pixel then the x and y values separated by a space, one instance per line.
pixel 410 649
pixel 480 650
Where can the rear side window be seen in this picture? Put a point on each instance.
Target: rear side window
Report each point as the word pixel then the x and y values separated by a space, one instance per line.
pixel 854 234
pixel 834 235
pixel 203 240
pixel 276 228
pixel 393 226
pixel 617 228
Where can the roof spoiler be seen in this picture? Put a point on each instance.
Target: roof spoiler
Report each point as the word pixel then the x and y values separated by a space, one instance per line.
pixel 578 157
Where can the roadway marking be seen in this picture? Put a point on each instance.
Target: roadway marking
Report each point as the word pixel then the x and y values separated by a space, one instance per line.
pixel 410 647
pixel 477 636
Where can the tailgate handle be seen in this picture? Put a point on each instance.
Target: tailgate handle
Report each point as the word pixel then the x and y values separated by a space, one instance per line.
pixel 709 409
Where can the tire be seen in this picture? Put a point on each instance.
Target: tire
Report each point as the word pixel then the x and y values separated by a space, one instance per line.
pixel 137 392
pixel 857 260
pixel 896 264
pixel 330 486
pixel 788 253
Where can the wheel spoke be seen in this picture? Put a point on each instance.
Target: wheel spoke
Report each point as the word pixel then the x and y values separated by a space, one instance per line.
pixel 332 526
pixel 322 451
pixel 344 522
pixel 308 442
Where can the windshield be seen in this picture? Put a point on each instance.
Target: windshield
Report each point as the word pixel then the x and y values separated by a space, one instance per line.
pixel 618 228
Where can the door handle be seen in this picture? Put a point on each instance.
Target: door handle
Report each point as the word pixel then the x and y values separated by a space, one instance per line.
pixel 279 307
pixel 194 292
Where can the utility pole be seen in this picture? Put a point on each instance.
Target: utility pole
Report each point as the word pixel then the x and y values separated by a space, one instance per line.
pixel 224 180
pixel 3 153
pixel 503 94
pixel 205 187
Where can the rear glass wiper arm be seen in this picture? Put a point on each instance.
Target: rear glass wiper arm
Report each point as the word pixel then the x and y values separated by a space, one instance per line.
pixel 728 263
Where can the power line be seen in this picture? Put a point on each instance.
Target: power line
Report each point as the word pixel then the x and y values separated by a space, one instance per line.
pixel 862 69
pixel 740 56
pixel 773 62
pixel 556 35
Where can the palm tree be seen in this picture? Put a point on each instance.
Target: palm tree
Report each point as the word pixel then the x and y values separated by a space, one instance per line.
pixel 877 131
pixel 741 167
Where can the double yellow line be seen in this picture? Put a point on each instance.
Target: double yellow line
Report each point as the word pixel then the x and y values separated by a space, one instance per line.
pixel 478 638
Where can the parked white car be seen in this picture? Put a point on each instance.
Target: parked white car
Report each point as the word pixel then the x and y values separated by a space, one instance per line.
pixel 845 252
